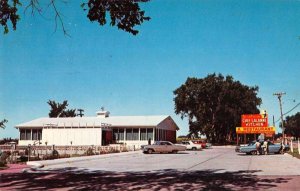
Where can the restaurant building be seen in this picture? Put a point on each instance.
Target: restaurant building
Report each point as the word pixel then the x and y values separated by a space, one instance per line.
pixel 100 130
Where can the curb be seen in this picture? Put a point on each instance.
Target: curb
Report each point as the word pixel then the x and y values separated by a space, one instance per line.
pixel 41 164
pixel 35 164
pixel 225 146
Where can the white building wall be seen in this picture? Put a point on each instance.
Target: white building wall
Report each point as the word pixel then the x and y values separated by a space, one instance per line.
pixel 61 136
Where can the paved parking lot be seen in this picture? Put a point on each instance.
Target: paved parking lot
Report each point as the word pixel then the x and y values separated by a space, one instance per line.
pixel 219 159
pixel 213 169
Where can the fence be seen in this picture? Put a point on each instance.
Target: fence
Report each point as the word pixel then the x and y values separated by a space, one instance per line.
pixel 294 146
pixel 41 152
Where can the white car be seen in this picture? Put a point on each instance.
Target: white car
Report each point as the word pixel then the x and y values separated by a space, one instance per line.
pixel 191 146
pixel 163 147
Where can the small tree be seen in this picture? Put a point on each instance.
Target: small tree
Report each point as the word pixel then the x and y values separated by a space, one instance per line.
pixel 292 125
pixel 60 109
pixel 2 123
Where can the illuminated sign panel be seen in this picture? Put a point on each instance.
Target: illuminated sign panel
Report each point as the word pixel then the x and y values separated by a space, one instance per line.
pixel 254 120
pixel 255 124
pixel 255 130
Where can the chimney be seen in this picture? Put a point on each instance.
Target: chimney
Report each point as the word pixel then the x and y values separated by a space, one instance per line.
pixel 103 114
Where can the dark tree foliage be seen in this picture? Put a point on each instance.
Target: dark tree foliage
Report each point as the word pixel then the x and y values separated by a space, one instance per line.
pixel 292 125
pixel 125 14
pixel 214 105
pixel 2 123
pixel 8 140
pixel 8 12
pixel 69 113
pixel 60 109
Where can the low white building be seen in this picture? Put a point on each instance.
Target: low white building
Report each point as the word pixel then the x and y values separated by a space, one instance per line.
pixel 99 130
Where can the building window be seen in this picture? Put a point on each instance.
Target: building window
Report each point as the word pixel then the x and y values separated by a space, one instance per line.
pixel 121 134
pixel 135 134
pixel 143 134
pixel 22 134
pixel 40 134
pixel 149 134
pixel 36 134
pixel 28 134
pixel 116 134
pixel 156 135
pixel 129 134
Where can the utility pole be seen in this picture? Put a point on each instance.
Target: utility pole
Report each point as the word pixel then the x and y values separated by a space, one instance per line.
pixel 279 95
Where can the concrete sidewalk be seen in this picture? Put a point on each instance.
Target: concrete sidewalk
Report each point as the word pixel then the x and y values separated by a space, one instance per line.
pixel 45 163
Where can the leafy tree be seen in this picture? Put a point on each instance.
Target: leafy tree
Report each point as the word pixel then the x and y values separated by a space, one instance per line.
pixel 60 109
pixel 69 113
pixel 125 14
pixel 214 105
pixel 9 12
pixel 8 140
pixel 292 125
pixel 2 123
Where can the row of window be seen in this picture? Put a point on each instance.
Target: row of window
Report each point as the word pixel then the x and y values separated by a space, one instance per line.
pixel 133 134
pixel 30 134
pixel 161 134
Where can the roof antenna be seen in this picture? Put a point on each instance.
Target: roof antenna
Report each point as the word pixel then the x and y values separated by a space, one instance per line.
pixel 80 112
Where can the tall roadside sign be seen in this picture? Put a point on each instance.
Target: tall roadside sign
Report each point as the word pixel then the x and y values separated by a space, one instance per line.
pixel 255 124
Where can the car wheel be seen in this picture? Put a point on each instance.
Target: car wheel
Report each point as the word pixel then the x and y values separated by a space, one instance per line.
pixel 194 148
pixel 247 153
pixel 253 152
pixel 150 151
pixel 175 151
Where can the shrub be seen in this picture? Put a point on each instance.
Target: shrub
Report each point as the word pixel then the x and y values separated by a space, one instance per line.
pixel 55 154
pixel 89 152
pixel 23 158
pixel 2 164
pixel 3 157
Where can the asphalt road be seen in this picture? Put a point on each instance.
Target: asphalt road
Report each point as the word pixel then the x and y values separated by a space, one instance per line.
pixel 213 169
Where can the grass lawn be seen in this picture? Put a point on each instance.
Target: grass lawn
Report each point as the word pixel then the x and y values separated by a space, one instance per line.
pixel 295 153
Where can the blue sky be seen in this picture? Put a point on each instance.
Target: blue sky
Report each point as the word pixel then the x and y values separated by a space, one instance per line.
pixel 257 42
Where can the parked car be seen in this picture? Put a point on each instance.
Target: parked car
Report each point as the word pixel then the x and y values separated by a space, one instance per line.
pixel 163 147
pixel 190 145
pixel 251 148
pixel 208 145
pixel 203 144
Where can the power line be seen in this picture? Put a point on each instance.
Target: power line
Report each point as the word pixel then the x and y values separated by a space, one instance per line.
pixel 288 112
